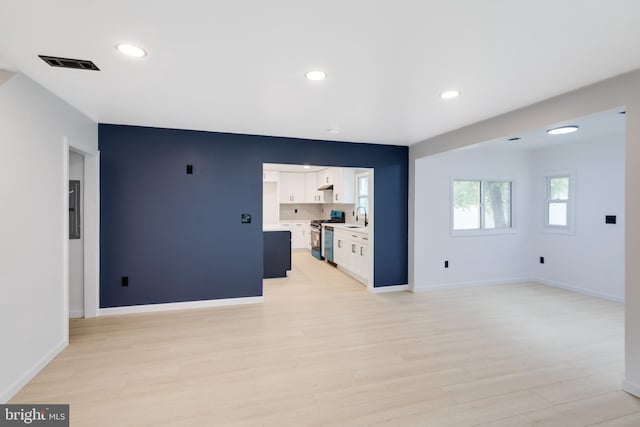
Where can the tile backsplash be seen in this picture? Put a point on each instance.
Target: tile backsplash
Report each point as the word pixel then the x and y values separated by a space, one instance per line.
pixel 306 212
pixel 303 212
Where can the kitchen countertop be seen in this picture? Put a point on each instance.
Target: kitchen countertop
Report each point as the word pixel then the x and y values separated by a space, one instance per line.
pixel 348 227
pixel 275 227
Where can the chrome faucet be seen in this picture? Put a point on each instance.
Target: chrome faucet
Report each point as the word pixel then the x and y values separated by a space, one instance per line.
pixel 365 215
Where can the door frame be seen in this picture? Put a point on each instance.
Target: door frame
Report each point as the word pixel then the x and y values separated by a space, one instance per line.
pixel 91 229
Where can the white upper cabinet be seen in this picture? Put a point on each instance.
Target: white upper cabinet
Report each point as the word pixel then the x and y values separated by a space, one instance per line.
pixel 270 176
pixel 324 177
pixel 344 185
pixel 302 187
pixel 291 187
pixel 312 195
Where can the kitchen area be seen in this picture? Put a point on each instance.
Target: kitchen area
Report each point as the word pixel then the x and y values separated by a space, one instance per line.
pixel 325 212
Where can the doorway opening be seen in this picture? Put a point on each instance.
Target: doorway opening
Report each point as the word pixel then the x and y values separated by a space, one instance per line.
pixel 81 239
pixel 76 235
pixel 328 213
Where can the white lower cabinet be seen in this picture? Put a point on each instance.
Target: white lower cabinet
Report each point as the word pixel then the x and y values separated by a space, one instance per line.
pixel 362 265
pixel 340 245
pixel 300 234
pixel 351 254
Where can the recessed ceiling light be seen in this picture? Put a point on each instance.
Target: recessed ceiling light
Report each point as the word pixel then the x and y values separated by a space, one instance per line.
pixel 562 130
pixel 316 75
pixel 131 50
pixel 333 130
pixel 450 94
pixel 306 166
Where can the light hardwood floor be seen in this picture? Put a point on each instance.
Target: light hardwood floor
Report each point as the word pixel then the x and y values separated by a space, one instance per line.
pixel 321 351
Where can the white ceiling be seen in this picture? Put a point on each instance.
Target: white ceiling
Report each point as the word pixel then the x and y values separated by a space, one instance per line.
pixel 238 66
pixel 602 126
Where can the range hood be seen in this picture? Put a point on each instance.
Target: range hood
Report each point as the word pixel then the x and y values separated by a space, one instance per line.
pixel 328 187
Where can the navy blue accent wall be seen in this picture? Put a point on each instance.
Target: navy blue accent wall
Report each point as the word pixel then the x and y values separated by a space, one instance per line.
pixel 178 237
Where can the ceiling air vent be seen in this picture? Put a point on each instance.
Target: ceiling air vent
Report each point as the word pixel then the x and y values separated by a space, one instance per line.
pixel 78 64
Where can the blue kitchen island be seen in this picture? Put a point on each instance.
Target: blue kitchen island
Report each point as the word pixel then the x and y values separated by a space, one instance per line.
pixel 276 252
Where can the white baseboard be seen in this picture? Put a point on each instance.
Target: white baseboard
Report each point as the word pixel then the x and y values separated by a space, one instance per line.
pixel 631 388
pixel 31 373
pixel 579 290
pixel 76 314
pixel 471 284
pixel 150 308
pixel 392 288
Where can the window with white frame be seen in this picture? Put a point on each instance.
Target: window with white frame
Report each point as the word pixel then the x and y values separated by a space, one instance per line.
pixel 481 205
pixel 558 201
pixel 362 191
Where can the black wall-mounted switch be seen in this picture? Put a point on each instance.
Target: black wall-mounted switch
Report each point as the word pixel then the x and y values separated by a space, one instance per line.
pixel 610 219
pixel 124 281
pixel 189 169
pixel 245 218
pixel 446 264
pixel 541 260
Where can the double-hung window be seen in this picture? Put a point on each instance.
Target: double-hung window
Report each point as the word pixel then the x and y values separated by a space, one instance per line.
pixel 481 205
pixel 362 191
pixel 558 201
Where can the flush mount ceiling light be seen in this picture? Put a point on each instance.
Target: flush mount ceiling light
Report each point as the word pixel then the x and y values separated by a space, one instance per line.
pixel 131 50
pixel 562 130
pixel 450 94
pixel 316 75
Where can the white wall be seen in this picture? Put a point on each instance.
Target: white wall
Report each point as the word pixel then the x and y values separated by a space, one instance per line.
pixel 590 260
pixel 475 259
pixel 33 187
pixel 76 246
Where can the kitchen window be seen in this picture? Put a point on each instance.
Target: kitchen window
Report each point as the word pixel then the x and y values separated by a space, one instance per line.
pixel 362 191
pixel 481 205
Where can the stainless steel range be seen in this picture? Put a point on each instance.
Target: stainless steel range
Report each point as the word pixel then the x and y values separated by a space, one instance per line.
pixel 316 232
